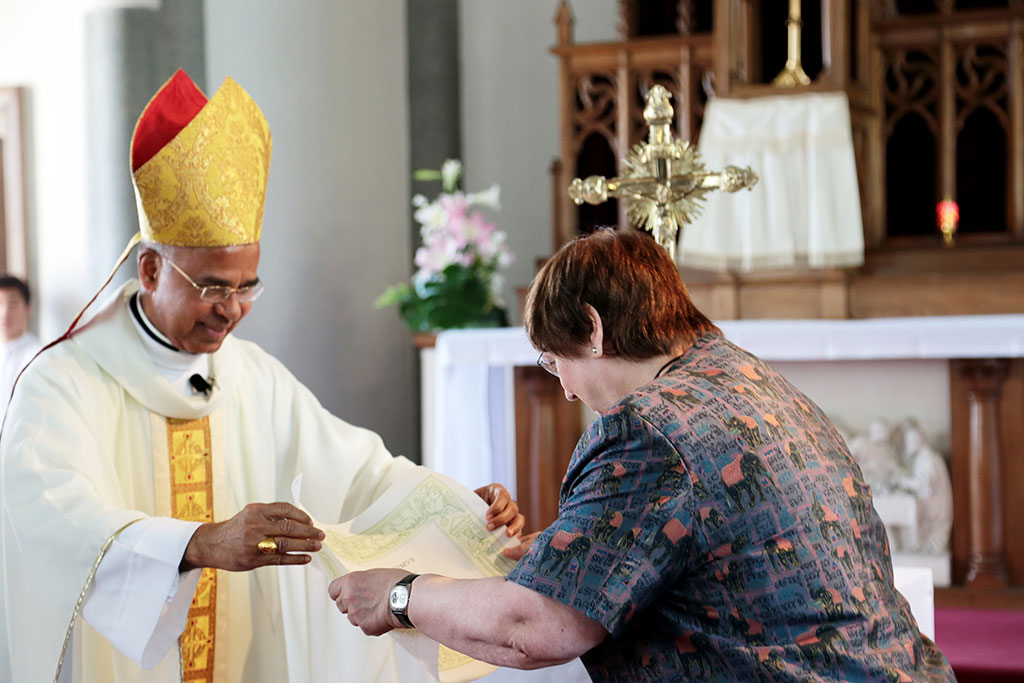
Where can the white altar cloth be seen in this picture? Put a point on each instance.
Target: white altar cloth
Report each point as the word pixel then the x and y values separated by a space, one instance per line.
pixel 916 585
pixel 469 417
pixel 805 211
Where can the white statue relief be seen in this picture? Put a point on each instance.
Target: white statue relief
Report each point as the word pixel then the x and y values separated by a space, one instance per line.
pixel 877 456
pixel 927 479
pixel 910 482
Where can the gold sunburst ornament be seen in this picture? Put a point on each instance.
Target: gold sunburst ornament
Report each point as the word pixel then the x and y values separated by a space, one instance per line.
pixel 664 180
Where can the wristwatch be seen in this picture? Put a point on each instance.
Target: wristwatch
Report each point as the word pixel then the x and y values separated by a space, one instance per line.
pixel 399 600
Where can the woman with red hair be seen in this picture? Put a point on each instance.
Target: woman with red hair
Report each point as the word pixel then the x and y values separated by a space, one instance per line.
pixel 712 524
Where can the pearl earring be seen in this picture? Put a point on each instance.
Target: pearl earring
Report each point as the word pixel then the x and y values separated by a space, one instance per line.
pixel 593 349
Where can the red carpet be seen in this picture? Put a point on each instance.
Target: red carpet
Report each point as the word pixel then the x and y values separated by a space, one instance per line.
pixel 982 645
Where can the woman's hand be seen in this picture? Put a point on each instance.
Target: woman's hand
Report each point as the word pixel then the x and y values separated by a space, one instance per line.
pixel 518 551
pixel 503 511
pixel 363 598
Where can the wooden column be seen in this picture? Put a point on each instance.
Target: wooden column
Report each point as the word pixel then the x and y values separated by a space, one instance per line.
pixel 986 558
pixel 547 428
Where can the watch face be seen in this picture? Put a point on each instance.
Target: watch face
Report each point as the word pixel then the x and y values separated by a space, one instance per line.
pixel 399 597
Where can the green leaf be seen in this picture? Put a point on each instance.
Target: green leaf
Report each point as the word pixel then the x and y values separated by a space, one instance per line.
pixel 459 296
pixel 393 295
pixel 426 174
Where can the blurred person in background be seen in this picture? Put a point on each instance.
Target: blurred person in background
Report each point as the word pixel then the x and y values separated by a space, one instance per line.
pixel 18 343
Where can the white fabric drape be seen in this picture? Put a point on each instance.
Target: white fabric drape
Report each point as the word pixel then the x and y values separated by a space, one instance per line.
pixel 805 211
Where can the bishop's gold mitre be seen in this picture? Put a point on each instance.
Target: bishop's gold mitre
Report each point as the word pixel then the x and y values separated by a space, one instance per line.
pixel 200 167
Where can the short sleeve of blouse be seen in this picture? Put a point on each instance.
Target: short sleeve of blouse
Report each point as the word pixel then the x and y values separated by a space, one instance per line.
pixel 623 531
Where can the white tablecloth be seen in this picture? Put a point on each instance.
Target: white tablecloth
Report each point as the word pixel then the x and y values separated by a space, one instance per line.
pixel 915 584
pixel 469 432
pixel 806 208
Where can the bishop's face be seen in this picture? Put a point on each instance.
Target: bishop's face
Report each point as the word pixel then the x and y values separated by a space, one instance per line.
pixel 174 305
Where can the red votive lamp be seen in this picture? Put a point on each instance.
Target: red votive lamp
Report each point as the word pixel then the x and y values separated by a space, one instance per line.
pixel 947 214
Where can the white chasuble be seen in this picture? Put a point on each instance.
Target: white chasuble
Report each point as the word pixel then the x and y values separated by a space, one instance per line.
pixel 96 438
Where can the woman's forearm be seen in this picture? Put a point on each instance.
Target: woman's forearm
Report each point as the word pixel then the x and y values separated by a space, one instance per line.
pixel 500 622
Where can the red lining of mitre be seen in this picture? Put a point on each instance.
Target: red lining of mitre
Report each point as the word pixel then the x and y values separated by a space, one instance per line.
pixel 167 113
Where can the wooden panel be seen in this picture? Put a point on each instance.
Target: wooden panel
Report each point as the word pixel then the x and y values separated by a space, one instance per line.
pixel 815 299
pixel 1011 418
pixel 777 294
pixel 911 283
pixel 547 428
pixel 1015 53
pixel 959 437
pixel 937 294
pixel 959 596
pixel 718 299
pixel 922 259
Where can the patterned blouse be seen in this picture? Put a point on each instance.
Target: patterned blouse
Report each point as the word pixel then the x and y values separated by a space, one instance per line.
pixel 715 524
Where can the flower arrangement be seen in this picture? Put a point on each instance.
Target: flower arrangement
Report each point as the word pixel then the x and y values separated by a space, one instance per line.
pixel 458 281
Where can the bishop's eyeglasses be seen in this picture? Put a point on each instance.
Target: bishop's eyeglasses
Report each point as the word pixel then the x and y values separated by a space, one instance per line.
pixel 215 294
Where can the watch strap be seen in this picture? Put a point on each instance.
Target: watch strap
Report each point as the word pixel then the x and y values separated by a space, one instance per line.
pixel 402 615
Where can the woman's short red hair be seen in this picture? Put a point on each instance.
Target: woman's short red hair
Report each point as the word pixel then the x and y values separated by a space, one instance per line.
pixel 633 285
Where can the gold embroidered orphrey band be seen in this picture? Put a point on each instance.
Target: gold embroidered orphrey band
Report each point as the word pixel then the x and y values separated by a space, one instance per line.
pixel 191 471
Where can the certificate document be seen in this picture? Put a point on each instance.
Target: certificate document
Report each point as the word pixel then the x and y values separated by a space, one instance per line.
pixel 427 524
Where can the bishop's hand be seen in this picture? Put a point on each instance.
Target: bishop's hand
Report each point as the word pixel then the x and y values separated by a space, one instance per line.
pixel 260 534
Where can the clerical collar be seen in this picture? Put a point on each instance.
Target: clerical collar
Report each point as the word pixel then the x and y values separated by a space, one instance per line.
pixel 176 366
pixel 149 328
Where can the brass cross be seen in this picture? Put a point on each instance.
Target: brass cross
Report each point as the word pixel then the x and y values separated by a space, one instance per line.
pixel 663 179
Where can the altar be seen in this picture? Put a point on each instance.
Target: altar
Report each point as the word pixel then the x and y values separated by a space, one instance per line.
pixel 468 412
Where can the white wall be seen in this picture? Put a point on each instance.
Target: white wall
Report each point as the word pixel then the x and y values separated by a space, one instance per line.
pixel 41 49
pixel 853 393
pixel 331 79
pixel 509 94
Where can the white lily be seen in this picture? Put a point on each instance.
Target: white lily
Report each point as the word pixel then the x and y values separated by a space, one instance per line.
pixel 451 169
pixel 491 197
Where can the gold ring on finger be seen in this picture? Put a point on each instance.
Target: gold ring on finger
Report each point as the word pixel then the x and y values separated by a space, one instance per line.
pixel 268 546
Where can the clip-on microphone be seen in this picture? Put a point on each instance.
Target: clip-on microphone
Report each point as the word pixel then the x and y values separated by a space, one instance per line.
pixel 200 385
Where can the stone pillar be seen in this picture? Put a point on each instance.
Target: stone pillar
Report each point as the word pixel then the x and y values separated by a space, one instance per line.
pixel 434 109
pixel 987 560
pixel 131 49
pixel 435 129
